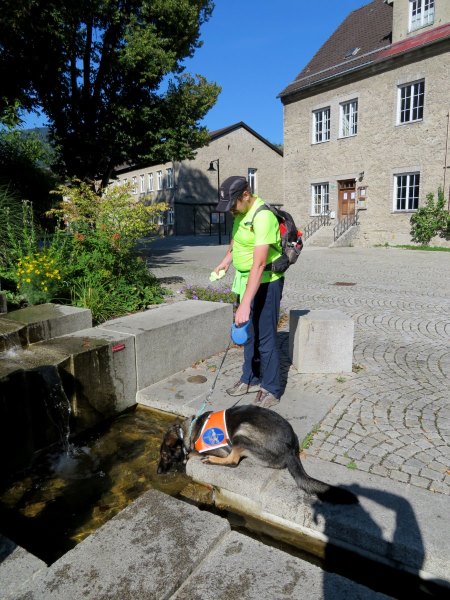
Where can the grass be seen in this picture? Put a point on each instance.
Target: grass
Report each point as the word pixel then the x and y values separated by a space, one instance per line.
pixel 307 440
pixel 415 247
pixel 351 465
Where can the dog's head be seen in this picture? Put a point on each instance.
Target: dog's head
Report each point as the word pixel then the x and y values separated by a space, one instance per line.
pixel 172 451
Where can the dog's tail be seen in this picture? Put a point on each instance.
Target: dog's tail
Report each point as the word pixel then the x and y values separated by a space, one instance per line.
pixel 325 492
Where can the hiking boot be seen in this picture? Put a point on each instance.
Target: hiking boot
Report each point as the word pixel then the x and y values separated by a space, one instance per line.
pixel 240 388
pixel 265 399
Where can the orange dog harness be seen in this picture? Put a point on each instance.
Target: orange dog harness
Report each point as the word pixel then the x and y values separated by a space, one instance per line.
pixel 214 433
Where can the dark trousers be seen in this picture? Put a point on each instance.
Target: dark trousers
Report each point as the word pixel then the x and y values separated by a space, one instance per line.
pixel 261 357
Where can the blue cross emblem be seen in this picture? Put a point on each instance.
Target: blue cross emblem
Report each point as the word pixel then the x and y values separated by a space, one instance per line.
pixel 213 436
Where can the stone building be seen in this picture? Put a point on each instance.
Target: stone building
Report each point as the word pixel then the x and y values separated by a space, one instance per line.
pixel 190 187
pixel 366 123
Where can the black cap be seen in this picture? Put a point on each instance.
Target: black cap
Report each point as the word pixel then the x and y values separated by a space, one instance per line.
pixel 230 190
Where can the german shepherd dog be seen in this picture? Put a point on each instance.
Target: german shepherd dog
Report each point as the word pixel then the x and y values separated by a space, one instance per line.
pixel 259 433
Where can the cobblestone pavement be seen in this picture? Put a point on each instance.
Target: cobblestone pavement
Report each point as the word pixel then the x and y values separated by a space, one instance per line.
pixel 391 416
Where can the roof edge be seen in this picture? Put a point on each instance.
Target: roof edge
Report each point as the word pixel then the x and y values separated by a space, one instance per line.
pixel 401 48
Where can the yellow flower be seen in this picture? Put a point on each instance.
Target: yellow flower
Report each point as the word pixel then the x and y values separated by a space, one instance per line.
pixel 28 280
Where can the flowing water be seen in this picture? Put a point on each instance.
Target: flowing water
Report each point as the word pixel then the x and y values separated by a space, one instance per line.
pixel 69 493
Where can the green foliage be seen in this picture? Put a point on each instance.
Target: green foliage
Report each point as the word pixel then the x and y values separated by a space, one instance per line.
pixel 308 439
pixel 426 248
pixel 430 220
pixel 92 264
pixel 118 218
pixel 210 293
pixel 37 277
pixel 25 161
pixel 112 87
pixel 108 297
pixel 11 223
pixel 19 240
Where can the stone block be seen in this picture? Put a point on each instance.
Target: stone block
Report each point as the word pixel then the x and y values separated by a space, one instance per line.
pixel 17 566
pixel 59 387
pixel 46 321
pixel 100 378
pixel 321 341
pixel 146 551
pixel 171 338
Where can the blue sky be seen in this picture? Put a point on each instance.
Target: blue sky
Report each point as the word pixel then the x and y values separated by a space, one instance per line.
pixel 254 49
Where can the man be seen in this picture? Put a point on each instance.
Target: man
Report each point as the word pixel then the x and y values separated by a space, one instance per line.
pixel 255 243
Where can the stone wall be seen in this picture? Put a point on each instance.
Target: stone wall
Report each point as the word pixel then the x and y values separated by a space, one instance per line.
pixel 400 30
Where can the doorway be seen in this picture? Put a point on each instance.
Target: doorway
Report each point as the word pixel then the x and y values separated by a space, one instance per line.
pixel 346 198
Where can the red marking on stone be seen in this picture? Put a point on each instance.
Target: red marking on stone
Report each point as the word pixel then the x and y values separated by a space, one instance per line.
pixel 118 347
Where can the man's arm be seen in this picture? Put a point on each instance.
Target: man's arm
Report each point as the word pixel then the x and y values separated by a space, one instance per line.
pixel 254 281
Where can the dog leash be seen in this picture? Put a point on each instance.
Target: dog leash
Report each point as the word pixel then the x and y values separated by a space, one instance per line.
pixel 208 396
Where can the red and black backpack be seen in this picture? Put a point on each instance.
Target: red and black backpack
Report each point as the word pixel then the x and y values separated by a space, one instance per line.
pixel 291 239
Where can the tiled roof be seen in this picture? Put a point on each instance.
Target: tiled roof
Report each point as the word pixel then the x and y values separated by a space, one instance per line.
pixel 366 30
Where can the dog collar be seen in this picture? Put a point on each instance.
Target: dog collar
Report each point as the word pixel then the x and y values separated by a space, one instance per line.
pixel 180 434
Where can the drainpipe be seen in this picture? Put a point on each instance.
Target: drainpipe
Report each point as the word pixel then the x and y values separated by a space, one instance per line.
pixel 445 160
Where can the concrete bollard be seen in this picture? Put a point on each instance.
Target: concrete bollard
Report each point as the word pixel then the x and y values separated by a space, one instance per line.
pixel 321 341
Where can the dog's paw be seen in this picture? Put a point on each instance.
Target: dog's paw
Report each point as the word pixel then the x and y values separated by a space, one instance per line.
pixel 205 459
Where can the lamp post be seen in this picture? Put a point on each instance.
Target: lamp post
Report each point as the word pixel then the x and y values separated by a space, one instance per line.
pixel 211 169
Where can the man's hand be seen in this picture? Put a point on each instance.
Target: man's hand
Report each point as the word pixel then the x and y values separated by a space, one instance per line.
pixel 242 314
pixel 224 265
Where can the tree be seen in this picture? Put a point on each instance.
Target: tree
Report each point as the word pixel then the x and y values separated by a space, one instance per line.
pixel 99 70
pixel 25 167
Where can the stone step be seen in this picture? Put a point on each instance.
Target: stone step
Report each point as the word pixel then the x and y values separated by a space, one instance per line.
pixel 160 547
pixel 323 237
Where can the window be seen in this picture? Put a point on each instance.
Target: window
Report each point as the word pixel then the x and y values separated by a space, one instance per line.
pixel 349 118
pixel 410 101
pixel 320 199
pixel 159 178
pixel 169 178
pixel 421 13
pixel 169 216
pixel 251 178
pixel 407 191
pixel 142 186
pixel 150 182
pixel 321 125
pixel 134 190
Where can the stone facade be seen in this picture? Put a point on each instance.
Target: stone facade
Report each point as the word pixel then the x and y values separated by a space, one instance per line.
pixel 382 149
pixel 402 20
pixel 192 191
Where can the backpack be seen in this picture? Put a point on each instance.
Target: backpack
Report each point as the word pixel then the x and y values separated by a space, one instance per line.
pixel 291 239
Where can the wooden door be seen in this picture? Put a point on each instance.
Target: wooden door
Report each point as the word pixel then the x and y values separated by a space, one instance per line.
pixel 346 198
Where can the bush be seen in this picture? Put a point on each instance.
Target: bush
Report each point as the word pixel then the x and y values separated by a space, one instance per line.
pixel 90 263
pixel 430 220
pixel 37 278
